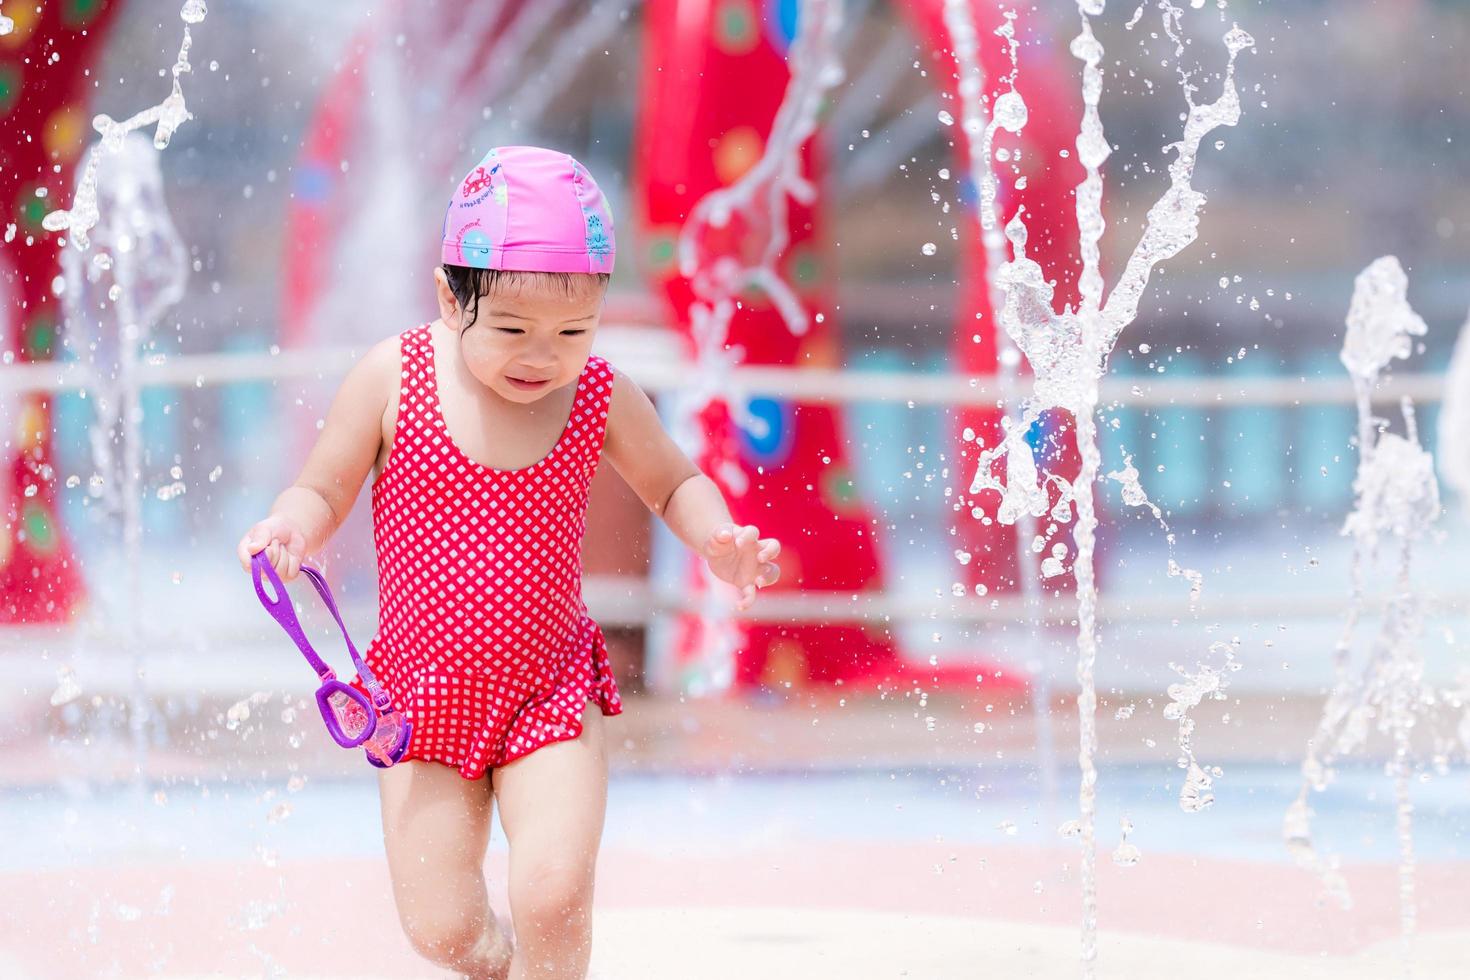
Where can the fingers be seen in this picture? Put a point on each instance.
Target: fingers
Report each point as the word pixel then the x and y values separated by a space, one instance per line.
pixel 283 545
pixel 255 539
pixel 746 560
pixel 721 540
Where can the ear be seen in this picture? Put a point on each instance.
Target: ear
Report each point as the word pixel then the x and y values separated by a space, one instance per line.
pixel 448 305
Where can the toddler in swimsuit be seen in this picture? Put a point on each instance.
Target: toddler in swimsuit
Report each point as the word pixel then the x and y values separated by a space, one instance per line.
pixel 484 429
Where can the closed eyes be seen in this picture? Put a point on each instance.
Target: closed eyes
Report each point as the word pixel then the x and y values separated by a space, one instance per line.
pixel 518 330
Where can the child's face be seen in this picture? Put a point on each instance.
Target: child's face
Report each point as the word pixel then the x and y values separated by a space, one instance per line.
pixel 531 338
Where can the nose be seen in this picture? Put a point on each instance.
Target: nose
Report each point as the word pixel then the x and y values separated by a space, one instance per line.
pixel 538 352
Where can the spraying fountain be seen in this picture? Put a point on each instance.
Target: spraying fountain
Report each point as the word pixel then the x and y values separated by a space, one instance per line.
pixel 116 292
pixel 1068 350
pixel 124 266
pixel 756 207
pixel 1396 504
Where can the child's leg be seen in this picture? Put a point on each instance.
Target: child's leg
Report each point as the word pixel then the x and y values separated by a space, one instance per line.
pixel 436 828
pixel 551 806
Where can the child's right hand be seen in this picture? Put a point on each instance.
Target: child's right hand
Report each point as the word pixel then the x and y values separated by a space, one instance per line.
pixel 282 541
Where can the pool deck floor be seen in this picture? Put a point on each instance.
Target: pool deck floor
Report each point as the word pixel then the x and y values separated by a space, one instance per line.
pixel 838 906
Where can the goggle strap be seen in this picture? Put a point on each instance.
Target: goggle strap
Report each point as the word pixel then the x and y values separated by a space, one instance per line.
pixel 282 611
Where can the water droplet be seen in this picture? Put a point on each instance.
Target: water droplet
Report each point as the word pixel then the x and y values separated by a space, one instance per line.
pixel 67 688
pixel 929 248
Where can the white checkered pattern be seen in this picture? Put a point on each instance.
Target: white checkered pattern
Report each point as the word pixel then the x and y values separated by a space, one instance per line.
pixel 483 639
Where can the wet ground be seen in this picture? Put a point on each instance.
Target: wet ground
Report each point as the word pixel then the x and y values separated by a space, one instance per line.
pixel 775 838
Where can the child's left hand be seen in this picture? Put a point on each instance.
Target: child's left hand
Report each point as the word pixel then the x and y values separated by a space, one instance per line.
pixel 739 555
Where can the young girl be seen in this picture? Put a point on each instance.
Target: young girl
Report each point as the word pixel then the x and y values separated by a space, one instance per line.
pixel 484 429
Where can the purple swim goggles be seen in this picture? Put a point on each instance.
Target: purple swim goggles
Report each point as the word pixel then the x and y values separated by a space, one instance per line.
pixel 351 718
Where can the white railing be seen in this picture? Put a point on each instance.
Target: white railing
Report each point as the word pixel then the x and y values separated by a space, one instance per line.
pixel 620 601
pixel 652 358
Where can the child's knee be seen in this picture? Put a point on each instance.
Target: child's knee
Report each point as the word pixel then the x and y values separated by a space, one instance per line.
pixel 550 892
pixel 443 936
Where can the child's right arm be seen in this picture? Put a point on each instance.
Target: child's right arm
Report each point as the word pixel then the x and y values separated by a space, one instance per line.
pixel 307 513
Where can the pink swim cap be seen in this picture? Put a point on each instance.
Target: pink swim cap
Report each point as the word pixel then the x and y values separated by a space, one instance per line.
pixel 527 209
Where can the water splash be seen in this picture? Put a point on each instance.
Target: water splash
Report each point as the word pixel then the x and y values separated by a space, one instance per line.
pixel 113 296
pixel 67 688
pixel 1453 450
pixel 1068 354
pixel 979 126
pixel 759 201
pixel 1135 496
pixel 1207 682
pixel 1397 499
pixel 1126 854
pixel 166 117
pixel 137 268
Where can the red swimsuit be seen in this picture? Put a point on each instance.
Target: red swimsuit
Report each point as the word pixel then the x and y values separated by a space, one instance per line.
pixel 483 639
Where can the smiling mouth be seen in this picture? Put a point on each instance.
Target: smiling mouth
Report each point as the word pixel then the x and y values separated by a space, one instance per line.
pixel 522 383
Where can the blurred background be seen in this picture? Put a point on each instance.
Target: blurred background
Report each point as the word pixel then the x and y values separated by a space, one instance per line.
pixel 866 780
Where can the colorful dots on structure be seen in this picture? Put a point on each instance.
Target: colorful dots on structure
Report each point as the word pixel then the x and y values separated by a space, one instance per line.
pixel 735 27
pixel 30 209
pixel 786 664
pixel 32 426
pixel 839 490
pixel 24 17
pixel 9 88
pixel 77 14
pixel 40 337
pixel 40 530
pixel 312 183
pixel 804 266
pixel 662 252
pixel 770 442
pixel 736 152
pixel 64 134
pixel 780 21
pixel 818 348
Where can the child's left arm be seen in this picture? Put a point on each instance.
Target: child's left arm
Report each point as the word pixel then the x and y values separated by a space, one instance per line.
pixel 669 483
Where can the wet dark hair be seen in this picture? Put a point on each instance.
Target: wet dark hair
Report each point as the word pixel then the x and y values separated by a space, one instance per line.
pixel 468 285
